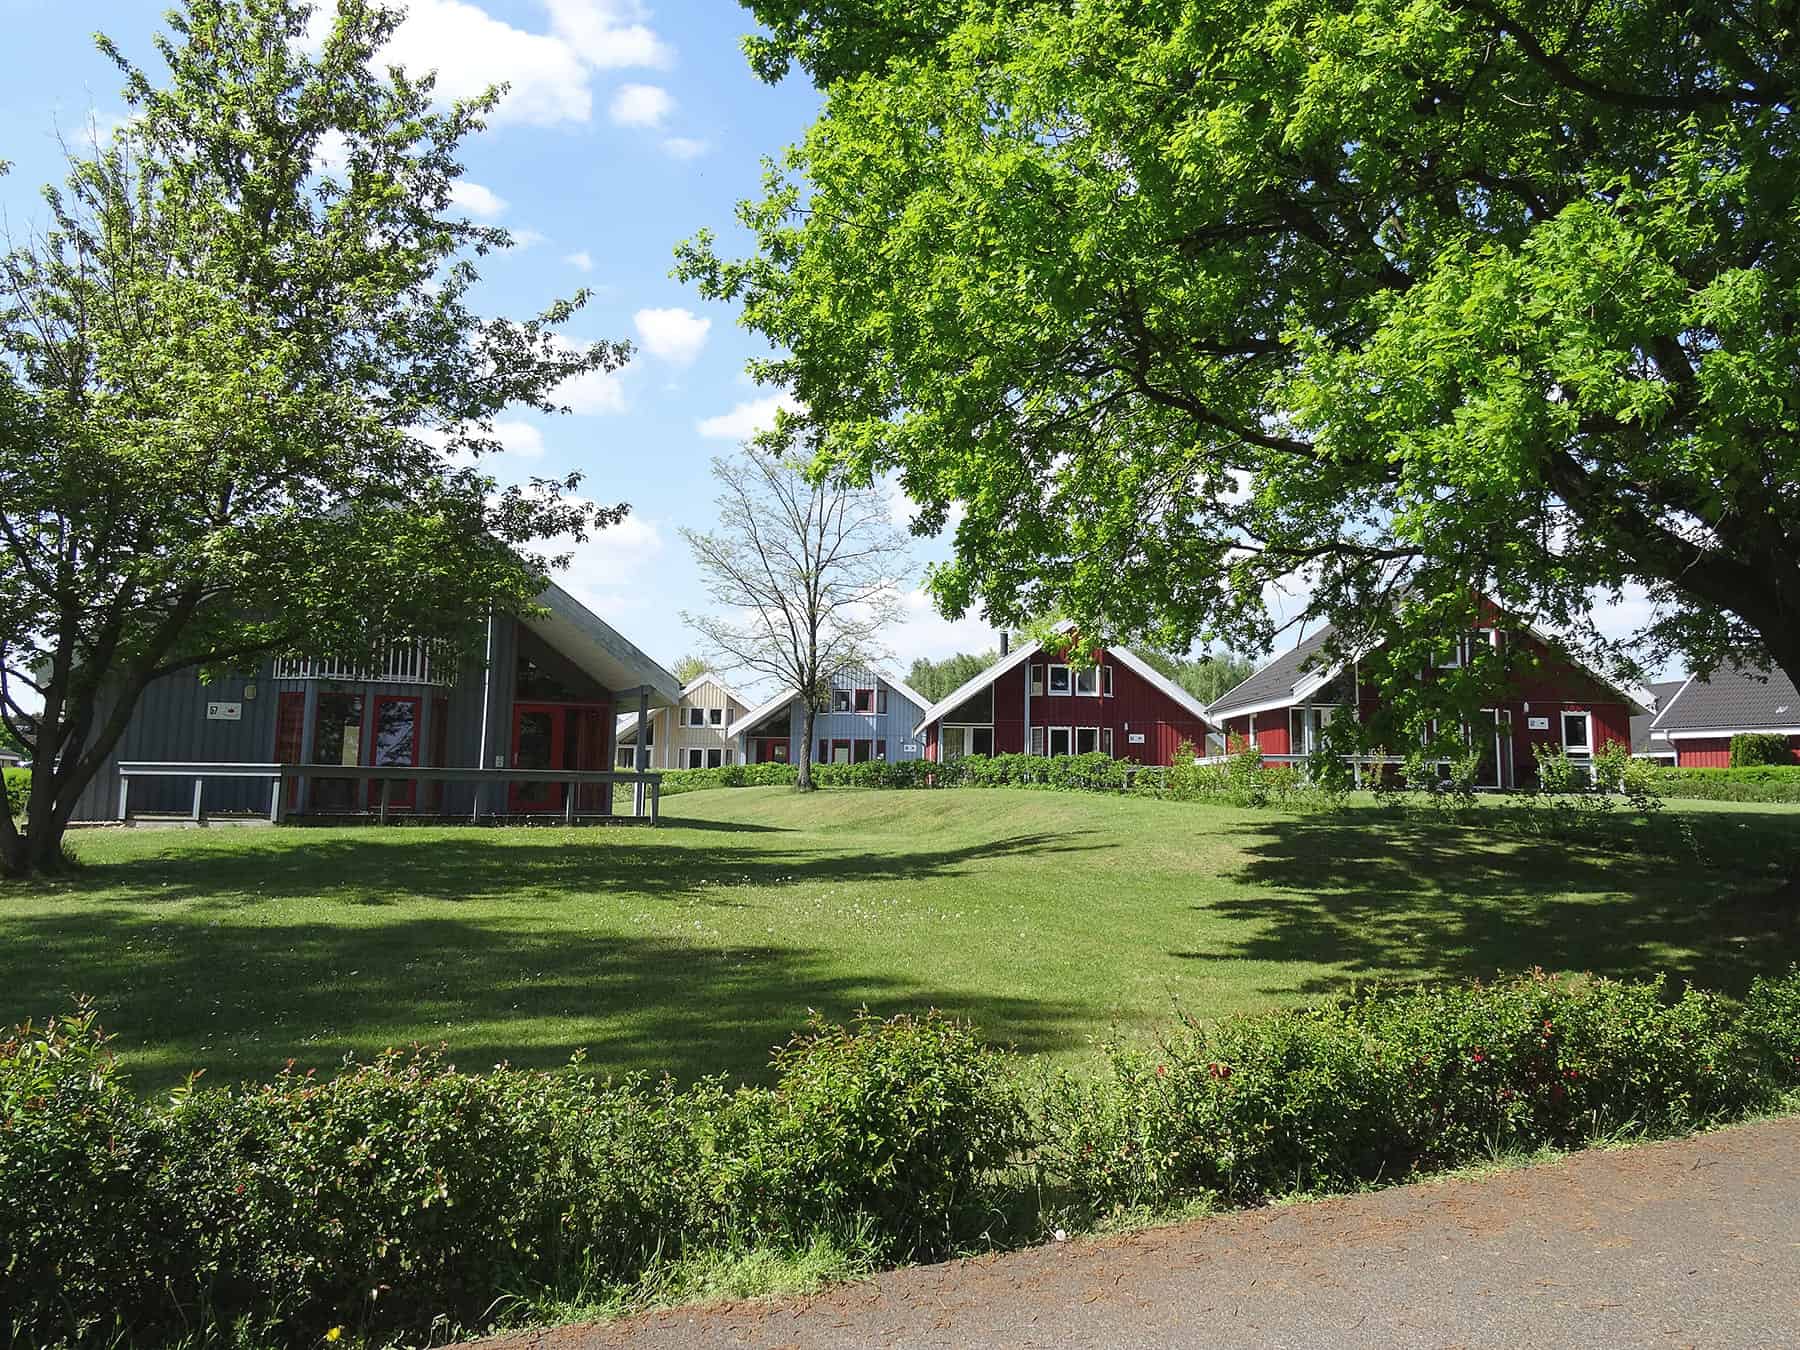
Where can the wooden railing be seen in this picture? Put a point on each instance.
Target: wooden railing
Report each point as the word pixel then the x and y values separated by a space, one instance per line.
pixel 646 794
pixel 395 663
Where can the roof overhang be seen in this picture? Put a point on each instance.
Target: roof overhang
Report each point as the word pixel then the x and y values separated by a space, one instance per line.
pixel 599 649
pixel 1722 733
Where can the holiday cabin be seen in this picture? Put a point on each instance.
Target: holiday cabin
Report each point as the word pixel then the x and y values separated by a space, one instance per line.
pixel 867 716
pixel 1696 724
pixel 1284 707
pixel 694 733
pixel 543 696
pixel 1036 701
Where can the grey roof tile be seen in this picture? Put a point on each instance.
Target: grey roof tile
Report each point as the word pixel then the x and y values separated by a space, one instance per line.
pixel 1733 698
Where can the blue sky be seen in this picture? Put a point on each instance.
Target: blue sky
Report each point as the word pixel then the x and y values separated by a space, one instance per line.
pixel 628 127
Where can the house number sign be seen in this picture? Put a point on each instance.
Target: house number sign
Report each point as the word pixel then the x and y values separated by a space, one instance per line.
pixel 1537 724
pixel 224 712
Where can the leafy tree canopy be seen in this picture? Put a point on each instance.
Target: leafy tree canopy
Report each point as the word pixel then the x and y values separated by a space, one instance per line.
pixel 1403 297
pixel 243 394
pixel 933 679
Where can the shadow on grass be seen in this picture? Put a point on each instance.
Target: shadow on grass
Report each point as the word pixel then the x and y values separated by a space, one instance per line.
pixel 212 984
pixel 376 866
pixel 1426 900
pixel 240 1000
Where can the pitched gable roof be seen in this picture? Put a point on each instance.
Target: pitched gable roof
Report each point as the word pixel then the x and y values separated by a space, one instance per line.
pixel 1662 691
pixel 1124 656
pixel 781 696
pixel 1731 699
pixel 1294 675
pixel 1273 685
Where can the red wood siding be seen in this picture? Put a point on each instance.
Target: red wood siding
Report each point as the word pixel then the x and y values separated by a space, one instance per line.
pixel 1137 707
pixel 1714 752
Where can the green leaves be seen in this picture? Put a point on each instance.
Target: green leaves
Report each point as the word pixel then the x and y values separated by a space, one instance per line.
pixel 243 384
pixel 1177 302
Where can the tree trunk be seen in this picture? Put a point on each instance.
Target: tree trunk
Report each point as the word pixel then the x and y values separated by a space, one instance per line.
pixel 804 781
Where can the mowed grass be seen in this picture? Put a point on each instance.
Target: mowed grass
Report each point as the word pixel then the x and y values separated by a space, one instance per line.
pixel 1049 919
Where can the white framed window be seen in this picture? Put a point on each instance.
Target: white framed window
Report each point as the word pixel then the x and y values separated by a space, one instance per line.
pixel 953 743
pixel 1087 740
pixel 696 717
pixel 1578 733
pixel 1037 740
pixel 1060 737
pixel 1037 680
pixel 714 758
pixel 1059 679
pixel 1106 681
pixel 715 716
pixel 840 700
pixel 1106 738
pixel 696 758
pixel 1087 681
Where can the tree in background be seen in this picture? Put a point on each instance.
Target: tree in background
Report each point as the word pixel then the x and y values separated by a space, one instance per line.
pixel 1206 676
pixel 241 387
pixel 690 668
pixel 1404 301
pixel 934 679
pixel 807 571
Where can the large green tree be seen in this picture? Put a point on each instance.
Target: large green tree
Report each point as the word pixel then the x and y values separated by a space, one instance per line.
pixel 243 389
pixel 1179 298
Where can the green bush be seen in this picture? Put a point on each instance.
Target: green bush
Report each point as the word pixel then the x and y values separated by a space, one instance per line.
pixel 1752 748
pixel 1380 1088
pixel 1757 783
pixel 896 1122
pixel 18 788
pixel 402 1194
pixel 677 781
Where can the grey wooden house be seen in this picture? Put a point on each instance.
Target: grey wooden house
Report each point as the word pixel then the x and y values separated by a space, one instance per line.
pixel 542 702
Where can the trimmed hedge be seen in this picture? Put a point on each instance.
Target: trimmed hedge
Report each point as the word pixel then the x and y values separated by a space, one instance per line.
pixel 18 788
pixel 1382 1088
pixel 676 781
pixel 1751 783
pixel 404 1197
pixel 1751 748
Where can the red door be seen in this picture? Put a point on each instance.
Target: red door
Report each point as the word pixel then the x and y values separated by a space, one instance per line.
pixel 538 743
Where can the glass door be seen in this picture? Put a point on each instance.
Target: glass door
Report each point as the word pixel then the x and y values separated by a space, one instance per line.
pixel 537 744
pixel 395 742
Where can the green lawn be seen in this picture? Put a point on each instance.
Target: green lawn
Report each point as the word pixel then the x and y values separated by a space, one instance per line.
pixel 1045 917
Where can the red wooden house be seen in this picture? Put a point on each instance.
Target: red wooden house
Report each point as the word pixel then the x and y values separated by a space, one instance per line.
pixel 1284 707
pixel 1033 701
pixel 1697 723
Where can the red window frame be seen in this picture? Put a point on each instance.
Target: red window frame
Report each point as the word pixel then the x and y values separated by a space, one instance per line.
pixel 290 737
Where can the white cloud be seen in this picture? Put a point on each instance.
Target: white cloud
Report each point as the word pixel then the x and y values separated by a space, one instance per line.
pixel 923 632
pixel 331 156
pixel 672 335
pixel 527 238
pixel 593 394
pixel 641 105
pixel 684 147
pixel 746 419
pixel 613 571
pixel 608 35
pixel 581 260
pixel 518 440
pixel 549 75
pixel 481 202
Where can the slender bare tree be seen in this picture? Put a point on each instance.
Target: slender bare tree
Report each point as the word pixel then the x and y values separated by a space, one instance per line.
pixel 807 573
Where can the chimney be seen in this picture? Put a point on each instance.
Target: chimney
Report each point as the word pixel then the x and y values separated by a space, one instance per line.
pixel 1005 642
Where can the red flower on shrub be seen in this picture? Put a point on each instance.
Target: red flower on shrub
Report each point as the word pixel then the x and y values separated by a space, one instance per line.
pixel 1220 1071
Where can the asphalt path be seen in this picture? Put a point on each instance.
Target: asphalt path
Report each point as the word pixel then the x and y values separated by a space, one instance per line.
pixel 1692 1242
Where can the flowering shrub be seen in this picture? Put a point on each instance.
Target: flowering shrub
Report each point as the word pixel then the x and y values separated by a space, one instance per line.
pixel 1382 1087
